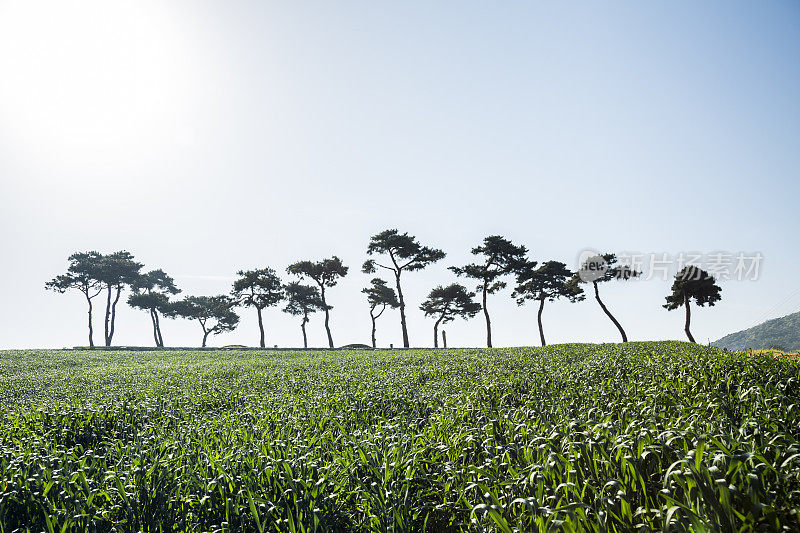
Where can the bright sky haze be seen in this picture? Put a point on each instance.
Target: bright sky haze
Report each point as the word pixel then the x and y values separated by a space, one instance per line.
pixel 207 137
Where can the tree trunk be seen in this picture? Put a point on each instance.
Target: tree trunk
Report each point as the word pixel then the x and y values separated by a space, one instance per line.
pixel 113 315
pixel 303 327
pixel 205 331
pixel 327 315
pixel 608 313
pixel 155 327
pixel 436 332
pixel 444 339
pixel 373 329
pixel 541 330
pixel 261 327
pixel 158 329
pixel 108 316
pixel 91 331
pixel 488 322
pixel 402 310
pixel 688 319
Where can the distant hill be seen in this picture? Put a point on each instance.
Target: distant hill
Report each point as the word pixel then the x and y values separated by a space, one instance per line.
pixel 782 333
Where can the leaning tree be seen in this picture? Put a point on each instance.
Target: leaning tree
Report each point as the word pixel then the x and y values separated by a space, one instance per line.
pixel 325 274
pixel 215 314
pixel 550 281
pixel 405 254
pixel 693 283
pixel 82 276
pixel 151 292
pixel 379 295
pixel 116 272
pixel 447 303
pixel 260 289
pixel 599 269
pixel 501 257
pixel 302 300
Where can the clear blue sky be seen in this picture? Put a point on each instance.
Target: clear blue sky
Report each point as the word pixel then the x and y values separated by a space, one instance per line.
pixel 206 137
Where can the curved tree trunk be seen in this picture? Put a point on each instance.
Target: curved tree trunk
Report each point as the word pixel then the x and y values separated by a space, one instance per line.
pixel 205 331
pixel 608 313
pixel 372 316
pixel 541 330
pixel 327 315
pixel 688 319
pixel 488 321
pixel 113 315
pixel 436 332
pixel 155 327
pixel 108 317
pixel 261 327
pixel 303 327
pixel 91 331
pixel 158 329
pixel 374 320
pixel 402 310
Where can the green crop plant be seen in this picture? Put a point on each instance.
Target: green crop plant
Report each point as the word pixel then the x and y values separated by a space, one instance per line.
pixel 662 436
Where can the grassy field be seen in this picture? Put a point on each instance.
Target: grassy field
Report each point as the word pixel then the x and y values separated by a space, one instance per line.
pixel 665 436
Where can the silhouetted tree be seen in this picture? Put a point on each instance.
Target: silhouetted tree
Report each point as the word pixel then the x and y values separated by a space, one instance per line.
pixel 214 313
pixel 448 303
pixel 405 253
pixel 116 271
pixel 501 258
pixel 602 268
pixel 151 292
pixel 302 300
pixel 378 294
pixel 82 275
pixel 258 288
pixel 325 273
pixel 692 282
pixel 550 281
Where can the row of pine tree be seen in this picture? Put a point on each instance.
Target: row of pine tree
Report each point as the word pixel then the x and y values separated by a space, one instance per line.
pixel 391 252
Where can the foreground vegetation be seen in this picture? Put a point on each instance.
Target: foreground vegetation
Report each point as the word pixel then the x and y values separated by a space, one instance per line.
pixel 668 436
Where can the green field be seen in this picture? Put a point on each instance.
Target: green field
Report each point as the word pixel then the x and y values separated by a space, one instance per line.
pixel 612 437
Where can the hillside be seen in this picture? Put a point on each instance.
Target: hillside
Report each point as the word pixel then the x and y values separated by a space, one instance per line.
pixel 782 333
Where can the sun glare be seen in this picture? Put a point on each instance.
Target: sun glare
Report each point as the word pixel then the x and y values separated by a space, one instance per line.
pixel 89 74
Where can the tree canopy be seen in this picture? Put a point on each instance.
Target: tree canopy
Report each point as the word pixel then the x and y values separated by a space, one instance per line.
pixel 403 250
pixel 325 273
pixel 379 294
pixel 151 292
pixel 692 283
pixel 116 271
pixel 601 268
pixel 501 257
pixel 550 281
pixel 259 288
pixel 448 303
pixel 302 300
pixel 405 254
pixel 82 275
pixel 214 313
